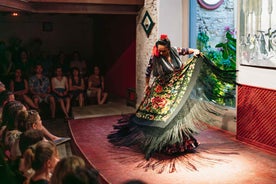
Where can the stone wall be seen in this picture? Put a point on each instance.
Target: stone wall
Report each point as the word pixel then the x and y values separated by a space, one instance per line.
pixel 213 22
pixel 144 45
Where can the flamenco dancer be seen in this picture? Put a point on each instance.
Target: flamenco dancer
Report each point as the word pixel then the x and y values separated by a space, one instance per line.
pixel 170 113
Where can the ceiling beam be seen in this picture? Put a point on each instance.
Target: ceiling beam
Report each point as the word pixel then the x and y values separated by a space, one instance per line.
pixel 73 6
pixel 84 9
pixel 16 5
pixel 117 2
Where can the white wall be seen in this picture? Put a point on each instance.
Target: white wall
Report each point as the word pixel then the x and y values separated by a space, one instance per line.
pixel 170 20
pixel 257 77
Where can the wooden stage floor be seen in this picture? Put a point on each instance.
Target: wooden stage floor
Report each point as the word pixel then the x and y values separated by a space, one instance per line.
pixel 220 159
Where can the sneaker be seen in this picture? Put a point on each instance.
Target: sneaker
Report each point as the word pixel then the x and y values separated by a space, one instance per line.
pixel 61 140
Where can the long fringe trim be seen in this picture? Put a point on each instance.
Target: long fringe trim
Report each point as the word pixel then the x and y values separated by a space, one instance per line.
pixel 153 139
pixel 189 120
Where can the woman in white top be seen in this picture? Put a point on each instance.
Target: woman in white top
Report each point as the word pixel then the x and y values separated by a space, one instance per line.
pixel 60 90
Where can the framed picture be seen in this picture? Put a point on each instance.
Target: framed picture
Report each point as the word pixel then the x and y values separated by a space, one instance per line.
pixel 257 33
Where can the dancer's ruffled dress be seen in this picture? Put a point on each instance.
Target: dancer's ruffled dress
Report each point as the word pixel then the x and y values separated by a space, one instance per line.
pixel 173 110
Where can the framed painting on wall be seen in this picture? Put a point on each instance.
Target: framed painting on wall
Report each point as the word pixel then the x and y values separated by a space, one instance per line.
pixel 257 33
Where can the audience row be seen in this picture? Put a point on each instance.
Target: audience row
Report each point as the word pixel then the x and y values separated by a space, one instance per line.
pixel 59 88
pixel 27 63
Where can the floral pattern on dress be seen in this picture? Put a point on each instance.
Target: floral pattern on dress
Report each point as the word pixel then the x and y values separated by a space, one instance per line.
pixel 162 100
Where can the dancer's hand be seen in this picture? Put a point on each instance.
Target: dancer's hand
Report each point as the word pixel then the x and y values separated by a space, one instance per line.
pixel 196 52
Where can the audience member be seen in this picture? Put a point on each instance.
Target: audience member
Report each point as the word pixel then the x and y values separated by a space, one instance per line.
pixel 82 176
pixel 44 162
pixel 78 62
pixel 26 140
pixel 5 97
pixel 30 137
pixel 6 173
pixel 9 126
pixel 40 88
pixel 15 121
pixel 10 132
pixel 6 64
pixel 76 86
pixel 20 88
pixel 2 86
pixel 66 165
pixel 60 90
pixel 28 120
pixel 47 63
pixel 25 64
pixel 96 86
pixel 62 61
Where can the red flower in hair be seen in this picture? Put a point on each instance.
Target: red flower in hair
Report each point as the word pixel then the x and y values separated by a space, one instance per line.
pixel 155 51
pixel 163 37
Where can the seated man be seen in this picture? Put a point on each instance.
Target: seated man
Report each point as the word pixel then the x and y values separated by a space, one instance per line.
pixel 40 88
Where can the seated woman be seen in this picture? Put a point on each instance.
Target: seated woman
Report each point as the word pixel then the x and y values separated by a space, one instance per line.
pixel 65 166
pixel 96 86
pixel 27 140
pixel 60 90
pixel 76 86
pixel 15 118
pixel 45 156
pixel 19 87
